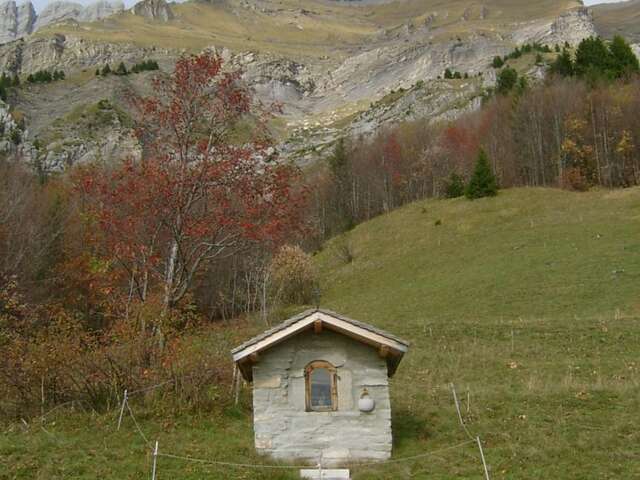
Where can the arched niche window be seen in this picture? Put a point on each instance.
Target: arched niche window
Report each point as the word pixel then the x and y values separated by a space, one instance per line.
pixel 321 387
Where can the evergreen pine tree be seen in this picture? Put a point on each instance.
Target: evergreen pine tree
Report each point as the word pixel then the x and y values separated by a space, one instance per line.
pixel 563 64
pixel 16 81
pixel 97 72
pixel 497 62
pixel 448 74
pixel 121 70
pixel 3 93
pixel 593 58
pixel 483 182
pixel 507 79
pixel 106 70
pixel 623 60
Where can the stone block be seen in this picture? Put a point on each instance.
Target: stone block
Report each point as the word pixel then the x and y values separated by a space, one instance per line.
pixel 330 474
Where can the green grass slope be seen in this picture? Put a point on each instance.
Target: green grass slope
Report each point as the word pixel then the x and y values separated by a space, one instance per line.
pixel 529 303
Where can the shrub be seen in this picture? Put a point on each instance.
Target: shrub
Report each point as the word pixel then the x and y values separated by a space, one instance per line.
pixel 56 361
pixel 507 79
pixel 483 182
pixel 497 62
pixel 454 186
pixel 344 250
pixel 574 179
pixel 293 275
pixel 15 136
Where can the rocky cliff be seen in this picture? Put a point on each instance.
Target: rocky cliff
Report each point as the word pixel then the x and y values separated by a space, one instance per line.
pixel 71 54
pixel 154 10
pixel 18 21
pixel 61 11
pixel 572 27
pixel 390 76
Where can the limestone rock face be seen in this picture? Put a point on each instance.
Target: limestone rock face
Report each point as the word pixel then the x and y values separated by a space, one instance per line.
pixel 70 53
pixel 101 9
pixel 16 21
pixel 56 12
pixel 7 124
pixel 26 19
pixel 153 9
pixel 572 27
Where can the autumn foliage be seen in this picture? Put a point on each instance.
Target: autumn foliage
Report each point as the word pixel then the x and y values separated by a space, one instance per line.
pixel 105 276
pixel 196 195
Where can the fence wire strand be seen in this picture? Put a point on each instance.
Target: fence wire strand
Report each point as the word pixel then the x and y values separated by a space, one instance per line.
pixel 136 424
pixel 351 465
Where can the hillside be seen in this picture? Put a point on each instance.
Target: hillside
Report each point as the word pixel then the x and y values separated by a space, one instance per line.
pixel 528 302
pixel 618 19
pixel 308 28
pixel 336 67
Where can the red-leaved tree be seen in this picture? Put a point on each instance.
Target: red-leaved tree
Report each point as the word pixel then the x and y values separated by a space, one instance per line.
pixel 204 188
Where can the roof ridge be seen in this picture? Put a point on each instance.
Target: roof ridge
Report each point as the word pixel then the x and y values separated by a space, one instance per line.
pixel 306 313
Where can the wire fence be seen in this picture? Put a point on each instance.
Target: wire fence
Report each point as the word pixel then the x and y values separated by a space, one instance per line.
pixel 156 453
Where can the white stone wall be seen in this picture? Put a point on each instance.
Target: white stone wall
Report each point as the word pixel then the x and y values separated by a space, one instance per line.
pixel 284 430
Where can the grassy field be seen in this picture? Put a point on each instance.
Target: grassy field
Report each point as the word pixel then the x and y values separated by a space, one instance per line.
pixel 529 303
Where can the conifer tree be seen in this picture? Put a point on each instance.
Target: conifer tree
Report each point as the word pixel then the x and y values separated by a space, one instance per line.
pixel 593 58
pixel 498 62
pixel 106 70
pixel 121 70
pixel 483 182
pixel 623 60
pixel 563 64
pixel 507 79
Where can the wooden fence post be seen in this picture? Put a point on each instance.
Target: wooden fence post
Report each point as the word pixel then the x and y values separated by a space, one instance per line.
pixel 124 402
pixel 484 463
pixel 155 461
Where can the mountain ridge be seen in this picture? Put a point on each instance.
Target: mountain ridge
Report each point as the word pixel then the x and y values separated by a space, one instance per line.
pixel 18 21
pixel 337 70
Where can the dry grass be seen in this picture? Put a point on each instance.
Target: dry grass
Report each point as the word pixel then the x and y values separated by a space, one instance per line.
pixel 306 28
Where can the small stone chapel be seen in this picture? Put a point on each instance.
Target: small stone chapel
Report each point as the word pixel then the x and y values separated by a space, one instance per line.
pixel 321 389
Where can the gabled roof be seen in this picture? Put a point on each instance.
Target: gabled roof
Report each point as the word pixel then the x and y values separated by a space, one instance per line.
pixel 389 346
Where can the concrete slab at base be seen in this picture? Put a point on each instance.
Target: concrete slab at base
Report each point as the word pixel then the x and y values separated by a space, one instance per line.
pixel 327 474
